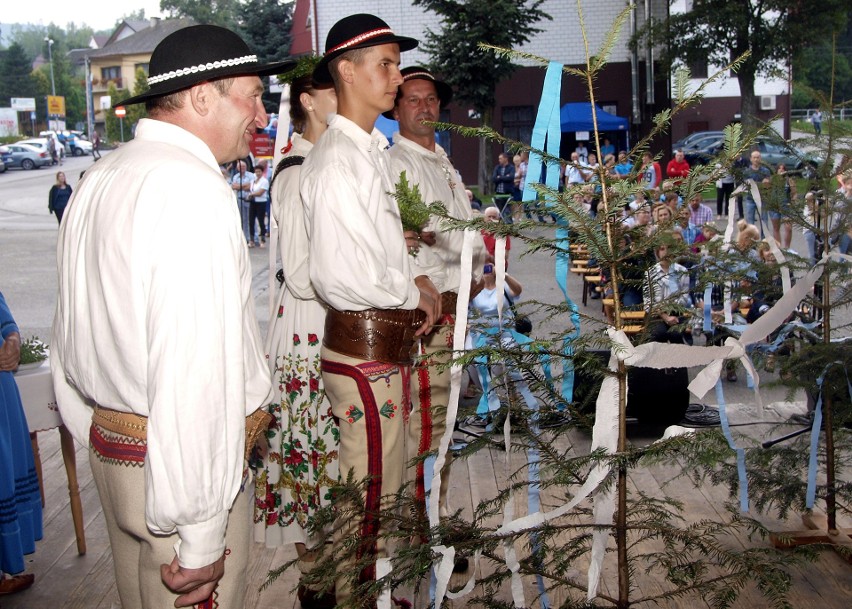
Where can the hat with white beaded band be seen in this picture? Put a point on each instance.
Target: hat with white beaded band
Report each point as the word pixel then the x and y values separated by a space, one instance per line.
pixel 197 54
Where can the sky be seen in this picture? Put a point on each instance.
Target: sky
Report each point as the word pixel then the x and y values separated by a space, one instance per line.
pixel 99 14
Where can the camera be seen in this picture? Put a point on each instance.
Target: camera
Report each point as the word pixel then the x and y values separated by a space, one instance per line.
pixel 488 269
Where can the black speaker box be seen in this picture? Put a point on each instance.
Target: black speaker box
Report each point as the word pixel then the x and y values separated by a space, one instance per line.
pixel 656 397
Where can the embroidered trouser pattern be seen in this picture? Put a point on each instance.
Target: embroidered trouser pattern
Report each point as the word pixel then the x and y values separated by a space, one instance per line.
pixel 369 399
pixel 117 463
pixel 430 392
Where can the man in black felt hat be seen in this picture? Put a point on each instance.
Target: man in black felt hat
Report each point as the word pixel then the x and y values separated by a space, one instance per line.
pixel 419 102
pixel 156 355
pixel 360 266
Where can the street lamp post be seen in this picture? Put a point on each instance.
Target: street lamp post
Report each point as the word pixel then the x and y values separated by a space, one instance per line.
pixel 49 42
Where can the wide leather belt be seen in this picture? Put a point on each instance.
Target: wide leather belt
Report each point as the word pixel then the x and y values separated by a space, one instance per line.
pixel 384 335
pixel 448 303
pixel 136 426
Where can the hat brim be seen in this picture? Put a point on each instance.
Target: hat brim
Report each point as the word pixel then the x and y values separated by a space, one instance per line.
pixel 322 75
pixel 180 83
pixel 445 94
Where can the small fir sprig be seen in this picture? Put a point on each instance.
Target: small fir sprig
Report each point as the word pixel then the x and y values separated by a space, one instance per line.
pixel 413 212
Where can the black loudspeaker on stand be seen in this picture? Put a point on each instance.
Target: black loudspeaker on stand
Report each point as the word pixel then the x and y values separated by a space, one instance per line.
pixel 656 397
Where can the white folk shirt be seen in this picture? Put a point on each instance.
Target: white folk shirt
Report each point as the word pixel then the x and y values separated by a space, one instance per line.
pixel 159 321
pixel 436 177
pixel 358 255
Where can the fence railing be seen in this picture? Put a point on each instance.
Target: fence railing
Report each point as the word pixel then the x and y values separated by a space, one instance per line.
pixel 804 114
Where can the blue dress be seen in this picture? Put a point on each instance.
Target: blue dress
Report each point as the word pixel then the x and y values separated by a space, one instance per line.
pixel 20 501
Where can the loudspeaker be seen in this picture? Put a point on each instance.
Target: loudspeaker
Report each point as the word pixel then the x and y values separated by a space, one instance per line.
pixel 657 397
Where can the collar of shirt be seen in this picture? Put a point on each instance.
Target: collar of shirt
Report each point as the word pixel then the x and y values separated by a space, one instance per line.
pixel 153 130
pixel 370 141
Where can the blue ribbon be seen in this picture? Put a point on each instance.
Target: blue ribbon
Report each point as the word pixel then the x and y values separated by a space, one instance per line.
pixel 708 321
pixel 810 494
pixel 726 429
pixel 548 132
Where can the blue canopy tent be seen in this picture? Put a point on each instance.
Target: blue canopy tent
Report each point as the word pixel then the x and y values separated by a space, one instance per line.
pixel 578 117
pixel 387 126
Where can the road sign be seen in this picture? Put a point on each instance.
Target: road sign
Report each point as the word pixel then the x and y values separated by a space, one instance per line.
pixel 120 112
pixel 56 105
pixel 23 104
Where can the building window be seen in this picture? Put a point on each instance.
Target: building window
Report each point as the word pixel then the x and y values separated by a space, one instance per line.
pixel 110 73
pixel 143 66
pixel 518 123
pixel 698 69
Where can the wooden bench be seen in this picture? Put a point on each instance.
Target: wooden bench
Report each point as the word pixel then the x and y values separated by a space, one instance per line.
pixel 591 280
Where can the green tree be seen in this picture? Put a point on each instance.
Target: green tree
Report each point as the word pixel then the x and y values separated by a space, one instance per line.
pixel 226 13
pixel 266 27
pixel 812 69
pixel 117 130
pixel 472 72
pixel 136 112
pixel 767 31
pixel 15 79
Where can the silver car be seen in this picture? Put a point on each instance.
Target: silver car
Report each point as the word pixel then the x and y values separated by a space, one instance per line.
pixel 27 157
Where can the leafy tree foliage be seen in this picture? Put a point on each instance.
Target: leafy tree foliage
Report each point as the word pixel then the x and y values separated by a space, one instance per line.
pixel 15 75
pixel 472 72
pixel 226 13
pixel 812 68
pixel 767 31
pixel 136 112
pixel 266 27
pixel 113 123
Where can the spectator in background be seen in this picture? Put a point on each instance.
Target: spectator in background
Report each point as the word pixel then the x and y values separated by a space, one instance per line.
pixel 699 214
pixel 607 148
pixel 21 523
pixel 258 201
pixel 782 190
pixel 96 145
pixel 650 178
pixel 582 152
pixel 503 177
pixel 760 173
pixel 475 203
pixel 573 174
pixel 241 183
pixel 724 188
pixel 492 214
pixel 816 120
pixel 58 197
pixel 623 166
pixel 667 299
pixel 678 168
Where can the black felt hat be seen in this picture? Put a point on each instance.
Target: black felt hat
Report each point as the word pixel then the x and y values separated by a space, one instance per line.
pixel 197 54
pixel 445 92
pixel 357 32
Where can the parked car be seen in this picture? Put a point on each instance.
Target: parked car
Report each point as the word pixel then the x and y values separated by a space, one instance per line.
pixel 5 154
pixel 773 152
pixel 27 157
pixel 74 145
pixel 694 140
pixel 38 142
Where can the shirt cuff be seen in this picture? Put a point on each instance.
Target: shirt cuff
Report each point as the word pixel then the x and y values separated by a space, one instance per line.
pixel 202 543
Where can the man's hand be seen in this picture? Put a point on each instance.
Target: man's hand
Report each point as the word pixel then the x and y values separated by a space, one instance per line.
pixel 428 237
pixel 194 585
pixel 430 303
pixel 10 352
pixel 412 240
